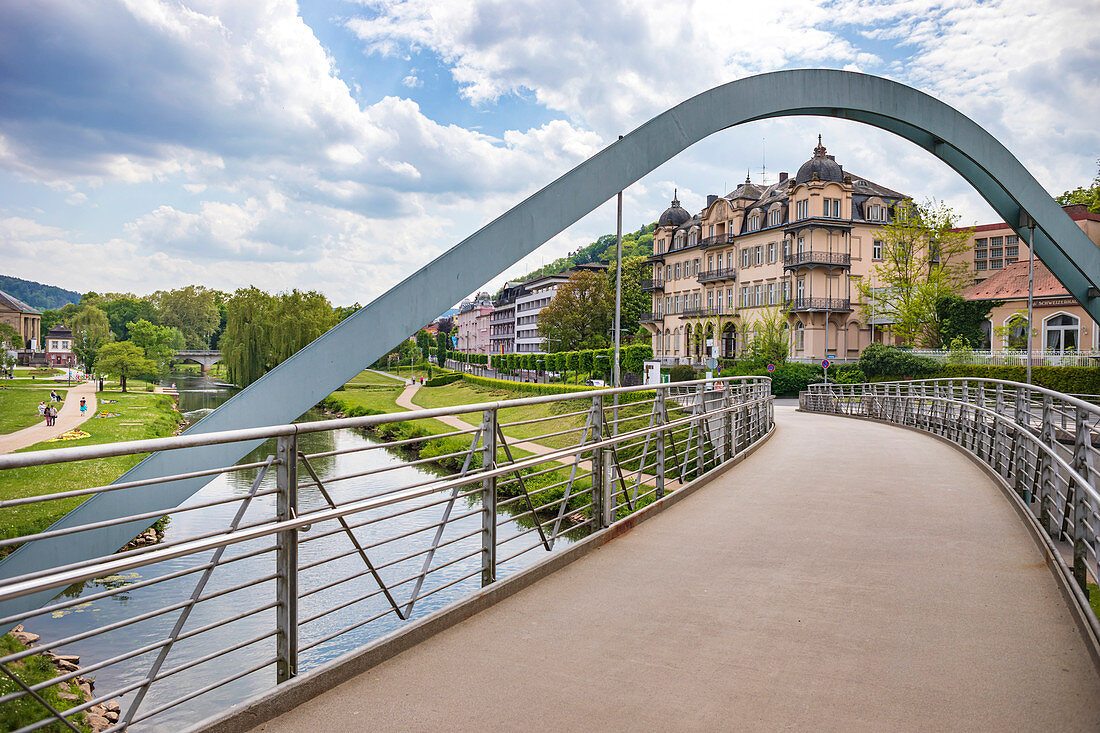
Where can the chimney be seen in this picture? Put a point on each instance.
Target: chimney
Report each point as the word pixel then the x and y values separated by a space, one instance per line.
pixel 711 198
pixel 783 176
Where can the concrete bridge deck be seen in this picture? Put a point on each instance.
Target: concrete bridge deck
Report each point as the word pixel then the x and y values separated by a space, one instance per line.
pixel 847 576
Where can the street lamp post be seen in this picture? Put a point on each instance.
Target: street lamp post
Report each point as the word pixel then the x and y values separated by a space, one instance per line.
pixel 615 375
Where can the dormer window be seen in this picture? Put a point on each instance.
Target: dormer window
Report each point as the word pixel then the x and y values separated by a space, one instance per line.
pixel 754 222
pixel 802 209
pixel 774 217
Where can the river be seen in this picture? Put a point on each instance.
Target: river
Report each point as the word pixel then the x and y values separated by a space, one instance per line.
pixel 197 396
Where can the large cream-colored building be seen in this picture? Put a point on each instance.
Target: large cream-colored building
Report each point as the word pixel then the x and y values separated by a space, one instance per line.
pixel 23 318
pixel 802 242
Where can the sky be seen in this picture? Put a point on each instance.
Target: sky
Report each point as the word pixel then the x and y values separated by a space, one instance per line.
pixel 339 145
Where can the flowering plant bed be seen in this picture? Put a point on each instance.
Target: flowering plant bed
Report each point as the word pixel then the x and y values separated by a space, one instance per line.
pixel 101 413
pixel 70 435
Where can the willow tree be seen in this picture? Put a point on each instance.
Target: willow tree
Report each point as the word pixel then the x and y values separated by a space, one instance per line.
pixel 246 343
pixel 91 330
pixel 923 259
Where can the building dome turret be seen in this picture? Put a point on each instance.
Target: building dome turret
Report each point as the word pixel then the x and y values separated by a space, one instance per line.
pixel 674 215
pixel 821 167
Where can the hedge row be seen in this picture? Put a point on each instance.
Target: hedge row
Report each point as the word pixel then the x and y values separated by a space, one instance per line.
pixel 443 379
pixel 1070 380
pixel 591 360
pixel 550 389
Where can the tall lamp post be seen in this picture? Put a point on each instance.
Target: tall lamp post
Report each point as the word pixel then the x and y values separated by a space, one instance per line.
pixel 1027 221
pixel 615 376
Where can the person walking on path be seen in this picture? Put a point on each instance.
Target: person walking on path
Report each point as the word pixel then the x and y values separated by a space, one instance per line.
pixel 42 408
pixel 64 419
pixel 51 415
pixel 83 407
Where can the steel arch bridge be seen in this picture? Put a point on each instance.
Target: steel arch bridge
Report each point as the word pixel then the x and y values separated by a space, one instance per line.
pixel 303 380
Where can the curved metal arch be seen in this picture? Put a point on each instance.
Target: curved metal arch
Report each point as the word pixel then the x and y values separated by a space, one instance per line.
pixel 294 386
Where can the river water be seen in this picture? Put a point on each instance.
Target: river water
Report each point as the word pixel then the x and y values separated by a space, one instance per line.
pixel 198 395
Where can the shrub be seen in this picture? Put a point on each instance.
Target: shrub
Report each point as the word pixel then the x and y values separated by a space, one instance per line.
pixel 443 379
pixel 878 360
pixel 1071 380
pixel 681 373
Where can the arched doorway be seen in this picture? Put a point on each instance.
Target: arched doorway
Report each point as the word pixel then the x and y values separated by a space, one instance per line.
pixel 729 341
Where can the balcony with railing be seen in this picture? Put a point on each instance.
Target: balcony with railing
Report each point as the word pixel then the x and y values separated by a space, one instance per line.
pixel 651 285
pixel 718 240
pixel 650 318
pixel 814 258
pixel 721 273
pixel 703 312
pixel 819 304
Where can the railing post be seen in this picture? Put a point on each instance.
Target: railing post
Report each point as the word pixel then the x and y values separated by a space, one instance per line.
pixel 1046 470
pixel 727 423
pixel 1018 448
pixel 286 559
pixel 598 473
pixel 700 429
pixel 660 418
pixel 489 498
pixel 1084 522
pixel 608 486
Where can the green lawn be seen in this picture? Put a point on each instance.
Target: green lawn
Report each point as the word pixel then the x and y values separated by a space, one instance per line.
pixel 374 378
pixel 19 406
pixel 460 393
pixel 141 415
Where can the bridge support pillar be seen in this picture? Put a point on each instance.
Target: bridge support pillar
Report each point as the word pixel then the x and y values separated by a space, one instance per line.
pixel 286 559
pixel 489 499
pixel 599 472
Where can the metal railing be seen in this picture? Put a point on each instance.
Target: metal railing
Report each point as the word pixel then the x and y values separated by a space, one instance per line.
pixel 1044 444
pixel 819 304
pixel 305 558
pixel 722 273
pixel 649 285
pixel 1012 357
pixel 817 257
pixel 718 240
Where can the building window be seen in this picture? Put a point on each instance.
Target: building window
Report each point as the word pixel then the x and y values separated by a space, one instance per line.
pixel 802 209
pixel 801 289
pixel 831 208
pixel 773 217
pixel 729 259
pixel 710 263
pixel 801 245
pixel 786 290
pixel 980 265
pixel 786 248
pixel 799 337
pixel 710 299
pixel 771 293
pixel 677 270
pixel 1061 332
pixel 759 255
pixel 980 254
pixel 759 295
pixel 876 249
pixel 729 299
pixel 996 264
pixel 745 257
pixel 695 268
pixel 1012 254
pixel 771 251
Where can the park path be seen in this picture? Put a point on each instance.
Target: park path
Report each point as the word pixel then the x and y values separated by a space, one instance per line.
pixel 847 576
pixel 68 417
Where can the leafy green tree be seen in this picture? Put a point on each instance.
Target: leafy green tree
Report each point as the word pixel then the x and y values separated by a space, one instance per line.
pixel 958 318
pixel 158 343
pixel 51 318
pixel 634 301
pixel 770 343
pixel 424 343
pixel 923 260
pixel 1089 197
pixel 193 310
pixel 298 319
pixel 10 337
pixel 580 314
pixel 91 330
pixel 125 309
pixel 246 343
pixel 124 359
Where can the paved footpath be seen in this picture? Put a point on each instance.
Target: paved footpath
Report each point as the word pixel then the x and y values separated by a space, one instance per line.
pixel 68 417
pixel 848 576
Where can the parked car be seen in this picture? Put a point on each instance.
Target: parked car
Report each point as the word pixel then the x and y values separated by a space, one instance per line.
pixel 595 383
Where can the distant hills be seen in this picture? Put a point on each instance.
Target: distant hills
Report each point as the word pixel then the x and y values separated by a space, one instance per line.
pixel 635 244
pixel 37 295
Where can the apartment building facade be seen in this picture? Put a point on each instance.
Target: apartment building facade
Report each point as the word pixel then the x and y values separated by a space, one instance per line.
pixel 472 325
pixel 801 245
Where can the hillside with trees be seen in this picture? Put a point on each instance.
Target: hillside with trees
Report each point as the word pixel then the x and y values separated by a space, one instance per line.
pixel 37 295
pixel 635 244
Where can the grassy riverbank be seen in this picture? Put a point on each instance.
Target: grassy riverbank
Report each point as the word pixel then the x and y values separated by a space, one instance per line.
pixel 32 670
pixel 140 415
pixel 19 406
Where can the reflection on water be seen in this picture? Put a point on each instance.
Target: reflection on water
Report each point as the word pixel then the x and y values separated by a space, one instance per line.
pixel 326 556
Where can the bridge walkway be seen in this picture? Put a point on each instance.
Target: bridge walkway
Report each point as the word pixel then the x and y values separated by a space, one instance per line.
pixel 847 576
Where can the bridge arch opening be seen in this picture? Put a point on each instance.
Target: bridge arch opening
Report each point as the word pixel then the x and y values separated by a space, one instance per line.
pixel 334 358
